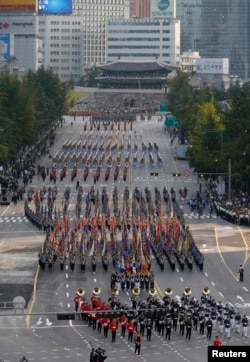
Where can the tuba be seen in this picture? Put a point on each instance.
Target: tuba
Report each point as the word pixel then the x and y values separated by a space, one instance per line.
pixel 96 291
pixel 187 291
pixel 115 292
pixel 168 291
pixel 206 291
pixel 152 292
pixel 80 292
pixel 136 291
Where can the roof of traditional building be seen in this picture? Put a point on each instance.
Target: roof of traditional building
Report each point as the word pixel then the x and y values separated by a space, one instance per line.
pixel 136 65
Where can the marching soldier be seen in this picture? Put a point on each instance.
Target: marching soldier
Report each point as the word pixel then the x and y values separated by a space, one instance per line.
pixel 61 262
pixel 105 323
pixel 209 325
pixel 227 326
pixel 175 319
pixel 244 322
pixel 123 321
pixel 238 321
pixel 195 320
pixel 149 327
pixel 188 328
pixel 93 263
pixel 138 342
pixel 82 262
pixel 72 262
pixel 168 327
pixel 241 273
pixel 182 324
pixel 202 323
pixel 50 262
pixel 142 324
pixel 113 326
pixel 131 329
pixel 220 321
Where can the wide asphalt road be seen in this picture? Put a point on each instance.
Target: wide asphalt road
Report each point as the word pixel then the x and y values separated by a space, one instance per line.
pixel 40 336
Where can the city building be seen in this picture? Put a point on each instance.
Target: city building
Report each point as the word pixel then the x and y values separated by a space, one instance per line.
pixel 188 61
pixel 21 28
pixel 189 14
pixel 143 39
pixel 62 37
pixel 217 29
pixel 225 33
pixel 142 8
pixel 94 14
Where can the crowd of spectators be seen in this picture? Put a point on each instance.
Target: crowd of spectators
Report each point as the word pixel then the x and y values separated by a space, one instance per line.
pixel 236 210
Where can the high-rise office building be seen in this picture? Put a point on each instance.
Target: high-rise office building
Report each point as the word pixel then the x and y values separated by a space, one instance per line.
pixel 94 14
pixel 142 8
pixel 225 33
pixel 217 29
pixel 189 14
pixel 144 39
pixel 62 45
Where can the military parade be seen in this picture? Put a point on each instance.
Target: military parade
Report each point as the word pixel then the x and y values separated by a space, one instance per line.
pixel 94 221
pixel 166 317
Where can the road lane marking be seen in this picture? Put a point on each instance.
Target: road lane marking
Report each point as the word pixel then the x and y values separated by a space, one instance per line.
pixel 221 256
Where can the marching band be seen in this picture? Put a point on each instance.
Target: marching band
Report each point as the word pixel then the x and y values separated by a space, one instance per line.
pixel 164 317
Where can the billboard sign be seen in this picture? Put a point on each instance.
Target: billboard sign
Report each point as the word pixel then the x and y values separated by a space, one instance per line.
pixel 163 8
pixel 18 5
pixel 5 44
pixel 212 65
pixel 55 6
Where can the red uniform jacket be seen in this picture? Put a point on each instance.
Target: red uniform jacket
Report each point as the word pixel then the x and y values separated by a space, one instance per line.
pixel 113 326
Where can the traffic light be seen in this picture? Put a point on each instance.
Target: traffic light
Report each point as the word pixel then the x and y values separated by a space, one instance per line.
pixel 177 174
pixel 153 173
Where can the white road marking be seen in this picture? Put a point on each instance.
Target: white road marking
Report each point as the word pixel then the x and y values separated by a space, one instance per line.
pixel 213 283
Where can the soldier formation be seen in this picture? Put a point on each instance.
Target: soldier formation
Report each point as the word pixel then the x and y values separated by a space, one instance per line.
pixel 164 318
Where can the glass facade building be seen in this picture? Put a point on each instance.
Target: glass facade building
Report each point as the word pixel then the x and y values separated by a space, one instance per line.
pixel 217 29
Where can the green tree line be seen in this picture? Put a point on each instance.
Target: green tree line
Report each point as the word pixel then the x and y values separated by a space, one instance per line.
pixel 28 107
pixel 215 135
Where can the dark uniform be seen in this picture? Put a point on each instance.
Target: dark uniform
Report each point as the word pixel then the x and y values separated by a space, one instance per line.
pixel 209 325
pixel 188 328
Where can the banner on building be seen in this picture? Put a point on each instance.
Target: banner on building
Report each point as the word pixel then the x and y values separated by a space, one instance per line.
pixel 163 8
pixel 18 5
pixel 55 7
pixel 5 46
pixel 212 65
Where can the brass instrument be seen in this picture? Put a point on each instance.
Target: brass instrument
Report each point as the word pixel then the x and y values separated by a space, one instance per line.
pixel 136 291
pixel 152 292
pixel 206 291
pixel 80 292
pixel 187 291
pixel 96 291
pixel 115 292
pixel 168 291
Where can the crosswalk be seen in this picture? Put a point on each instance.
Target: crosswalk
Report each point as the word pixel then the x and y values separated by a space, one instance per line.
pixel 24 219
pixel 202 217
pixel 13 219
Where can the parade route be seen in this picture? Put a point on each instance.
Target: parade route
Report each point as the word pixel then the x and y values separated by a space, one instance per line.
pixel 224 246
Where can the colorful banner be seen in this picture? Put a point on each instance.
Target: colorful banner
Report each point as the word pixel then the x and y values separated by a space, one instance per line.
pixel 163 8
pixel 18 5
